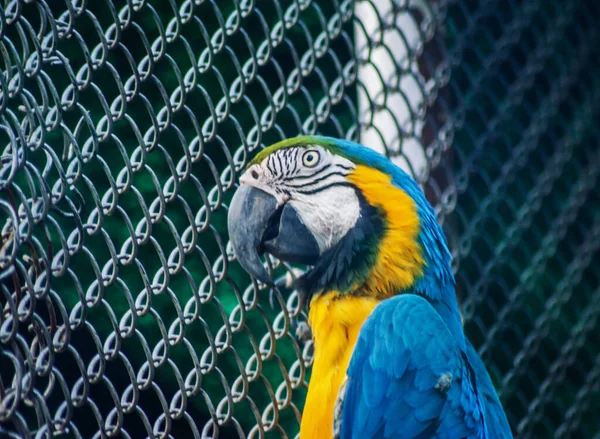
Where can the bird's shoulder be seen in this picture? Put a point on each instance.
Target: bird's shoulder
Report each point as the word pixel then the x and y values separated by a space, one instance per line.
pixel 408 378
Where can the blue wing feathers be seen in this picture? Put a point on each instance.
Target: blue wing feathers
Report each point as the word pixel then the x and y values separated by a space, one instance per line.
pixel 495 418
pixel 394 389
pixel 374 387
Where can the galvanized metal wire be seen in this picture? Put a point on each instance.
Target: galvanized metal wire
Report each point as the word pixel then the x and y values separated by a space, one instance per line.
pixel 124 125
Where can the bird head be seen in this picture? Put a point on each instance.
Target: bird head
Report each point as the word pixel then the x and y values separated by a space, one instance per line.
pixel 361 223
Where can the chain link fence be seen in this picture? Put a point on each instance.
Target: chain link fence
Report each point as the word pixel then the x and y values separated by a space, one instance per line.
pixel 124 124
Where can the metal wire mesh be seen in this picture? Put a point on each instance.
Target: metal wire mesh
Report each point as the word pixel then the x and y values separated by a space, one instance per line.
pixel 123 124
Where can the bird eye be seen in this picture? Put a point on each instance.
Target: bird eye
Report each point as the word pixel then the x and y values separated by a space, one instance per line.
pixel 310 159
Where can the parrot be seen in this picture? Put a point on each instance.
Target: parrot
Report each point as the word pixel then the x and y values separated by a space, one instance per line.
pixel 391 359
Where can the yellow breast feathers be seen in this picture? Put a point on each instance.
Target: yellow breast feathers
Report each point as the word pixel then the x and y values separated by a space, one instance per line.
pixel 335 321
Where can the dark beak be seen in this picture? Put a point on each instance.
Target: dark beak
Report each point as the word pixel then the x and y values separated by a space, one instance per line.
pixel 257 225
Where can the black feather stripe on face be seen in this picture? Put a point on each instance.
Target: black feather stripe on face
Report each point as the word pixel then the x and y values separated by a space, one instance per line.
pixel 324 187
pixel 316 180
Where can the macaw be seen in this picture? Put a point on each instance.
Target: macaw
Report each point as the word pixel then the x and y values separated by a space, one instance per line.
pixel 390 356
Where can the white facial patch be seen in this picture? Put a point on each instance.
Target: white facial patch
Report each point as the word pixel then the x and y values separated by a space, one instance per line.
pixel 328 214
pixel 315 185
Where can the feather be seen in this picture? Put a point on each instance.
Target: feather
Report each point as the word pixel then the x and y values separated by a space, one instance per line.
pixel 395 393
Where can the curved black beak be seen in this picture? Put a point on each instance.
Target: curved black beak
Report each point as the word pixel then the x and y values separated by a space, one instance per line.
pixel 257 225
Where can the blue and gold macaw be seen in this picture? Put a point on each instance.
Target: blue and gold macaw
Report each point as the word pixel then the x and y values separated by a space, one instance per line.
pixel 391 359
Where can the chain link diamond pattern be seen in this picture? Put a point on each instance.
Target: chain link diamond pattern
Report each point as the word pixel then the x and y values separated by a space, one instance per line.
pixel 124 125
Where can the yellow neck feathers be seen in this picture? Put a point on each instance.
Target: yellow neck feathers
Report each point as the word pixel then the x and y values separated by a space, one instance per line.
pixel 336 319
pixel 399 260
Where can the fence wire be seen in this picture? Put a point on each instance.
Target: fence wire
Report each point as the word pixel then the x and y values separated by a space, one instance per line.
pixel 124 124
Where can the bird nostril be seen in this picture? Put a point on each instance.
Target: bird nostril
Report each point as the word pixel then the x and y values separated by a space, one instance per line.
pixel 254 174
